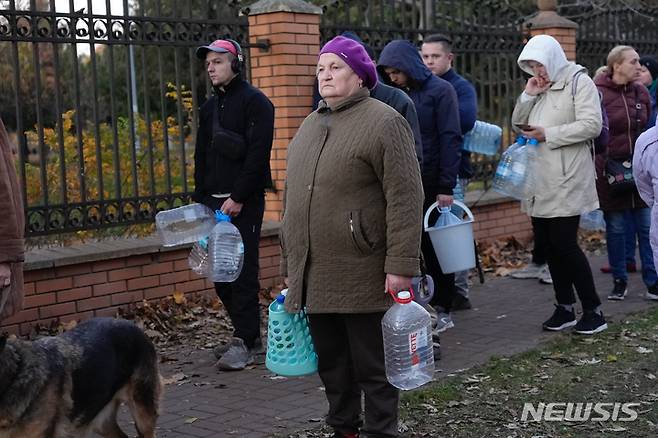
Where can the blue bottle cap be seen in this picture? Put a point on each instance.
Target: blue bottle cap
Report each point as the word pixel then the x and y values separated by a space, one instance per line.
pixel 280 298
pixel 533 141
pixel 520 139
pixel 221 217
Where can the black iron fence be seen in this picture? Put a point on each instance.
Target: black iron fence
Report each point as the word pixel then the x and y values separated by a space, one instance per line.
pixel 486 35
pixel 103 104
pixel 633 23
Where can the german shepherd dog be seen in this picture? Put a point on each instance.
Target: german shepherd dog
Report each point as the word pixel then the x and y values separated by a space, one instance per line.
pixel 73 384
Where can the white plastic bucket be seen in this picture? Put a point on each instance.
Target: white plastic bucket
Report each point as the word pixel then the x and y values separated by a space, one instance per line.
pixel 453 244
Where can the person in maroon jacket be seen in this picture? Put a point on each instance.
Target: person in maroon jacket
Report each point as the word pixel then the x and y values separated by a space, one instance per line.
pixel 627 104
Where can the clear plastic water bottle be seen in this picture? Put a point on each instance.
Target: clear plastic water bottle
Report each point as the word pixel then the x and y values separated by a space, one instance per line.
pixel 225 250
pixel 592 221
pixel 514 172
pixel 408 347
pixel 484 138
pixel 186 224
pixel 198 258
pixel 458 191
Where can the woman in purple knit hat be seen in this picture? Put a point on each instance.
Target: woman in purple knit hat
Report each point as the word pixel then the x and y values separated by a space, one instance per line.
pixel 351 232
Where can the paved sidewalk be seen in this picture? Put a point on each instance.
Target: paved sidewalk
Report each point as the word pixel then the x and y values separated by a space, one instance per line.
pixel 506 319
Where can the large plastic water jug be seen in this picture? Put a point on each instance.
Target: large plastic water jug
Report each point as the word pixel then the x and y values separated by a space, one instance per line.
pixel 408 347
pixel 593 221
pixel 484 138
pixel 185 224
pixel 452 239
pixel 290 350
pixel 225 250
pixel 514 174
pixel 198 258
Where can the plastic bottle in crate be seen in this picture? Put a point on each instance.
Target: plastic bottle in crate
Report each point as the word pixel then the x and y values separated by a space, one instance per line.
pixel 408 347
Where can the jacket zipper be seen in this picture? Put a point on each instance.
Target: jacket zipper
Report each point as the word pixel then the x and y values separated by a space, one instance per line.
pixel 630 140
pixel 352 231
pixel 628 117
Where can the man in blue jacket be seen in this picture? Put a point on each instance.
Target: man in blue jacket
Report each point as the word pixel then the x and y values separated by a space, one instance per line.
pixel 436 104
pixel 437 56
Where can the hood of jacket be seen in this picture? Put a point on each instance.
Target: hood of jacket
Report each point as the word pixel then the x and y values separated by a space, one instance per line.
pixel 403 56
pixel 547 51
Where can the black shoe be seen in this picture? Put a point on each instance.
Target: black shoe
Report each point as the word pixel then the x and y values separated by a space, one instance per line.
pixel 561 319
pixel 436 344
pixel 460 302
pixel 591 323
pixel 619 291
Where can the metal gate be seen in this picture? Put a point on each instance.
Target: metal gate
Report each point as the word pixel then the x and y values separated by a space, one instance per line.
pixel 102 99
pixel 486 35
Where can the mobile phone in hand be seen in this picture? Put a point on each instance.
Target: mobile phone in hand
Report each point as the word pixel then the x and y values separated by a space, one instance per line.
pixel 523 127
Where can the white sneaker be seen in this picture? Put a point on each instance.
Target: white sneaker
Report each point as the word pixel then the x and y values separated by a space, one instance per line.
pixel 443 322
pixel 545 276
pixel 531 271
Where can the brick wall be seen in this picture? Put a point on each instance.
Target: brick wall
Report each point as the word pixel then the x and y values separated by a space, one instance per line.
pixel 286 74
pixel 98 288
pixel 565 36
pixel 501 220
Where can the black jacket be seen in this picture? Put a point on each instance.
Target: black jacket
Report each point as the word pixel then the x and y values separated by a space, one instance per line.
pixel 246 111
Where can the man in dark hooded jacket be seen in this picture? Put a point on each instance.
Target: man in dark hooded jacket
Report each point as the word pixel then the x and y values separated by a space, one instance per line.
pixel 391 96
pixel 437 106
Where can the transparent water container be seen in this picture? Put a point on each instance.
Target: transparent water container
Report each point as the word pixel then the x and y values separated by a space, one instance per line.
pixel 198 258
pixel 593 221
pixel 514 174
pixel 458 191
pixel 408 348
pixel 225 250
pixel 186 224
pixel 484 138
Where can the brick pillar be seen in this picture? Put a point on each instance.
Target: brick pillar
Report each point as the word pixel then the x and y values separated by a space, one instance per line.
pixel 548 22
pixel 285 73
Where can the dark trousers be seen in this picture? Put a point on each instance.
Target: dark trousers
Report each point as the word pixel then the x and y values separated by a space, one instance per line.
pixel 568 265
pixel 539 246
pixel 444 284
pixel 240 298
pixel 350 352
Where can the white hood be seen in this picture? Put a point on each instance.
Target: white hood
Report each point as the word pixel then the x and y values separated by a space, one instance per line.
pixel 547 51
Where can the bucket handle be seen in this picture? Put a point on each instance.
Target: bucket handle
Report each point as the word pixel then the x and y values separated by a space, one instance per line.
pixel 436 205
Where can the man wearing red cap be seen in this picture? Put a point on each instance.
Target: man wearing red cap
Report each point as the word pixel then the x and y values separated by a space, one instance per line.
pixel 232 170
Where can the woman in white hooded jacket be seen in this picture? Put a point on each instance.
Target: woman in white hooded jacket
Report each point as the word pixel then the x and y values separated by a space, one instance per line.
pixel 560 106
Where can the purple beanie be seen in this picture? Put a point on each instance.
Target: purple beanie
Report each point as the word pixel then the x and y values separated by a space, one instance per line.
pixel 355 56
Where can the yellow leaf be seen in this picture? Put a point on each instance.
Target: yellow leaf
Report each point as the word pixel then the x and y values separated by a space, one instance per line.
pixel 611 358
pixel 179 297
